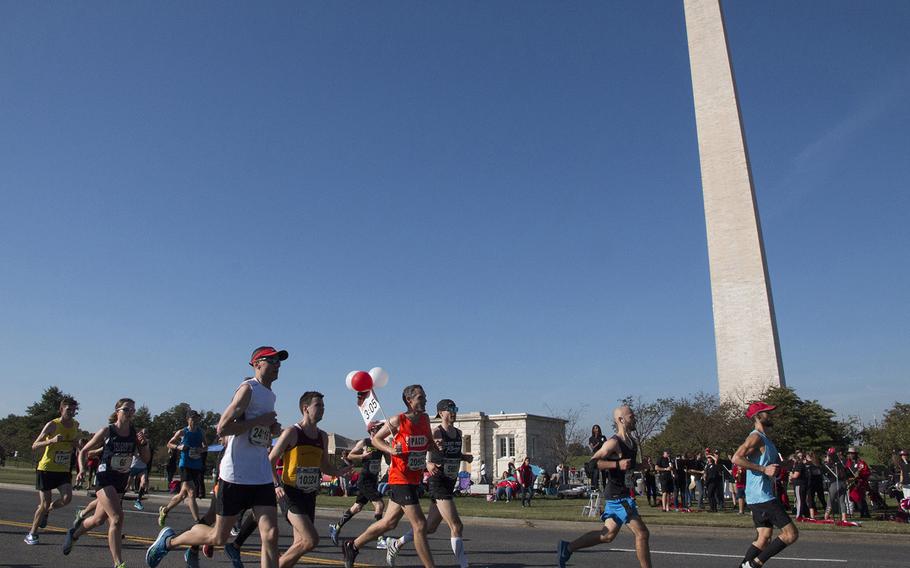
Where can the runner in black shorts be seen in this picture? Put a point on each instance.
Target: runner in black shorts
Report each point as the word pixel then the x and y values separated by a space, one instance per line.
pixel 303 450
pixel 759 457
pixel 57 439
pixel 442 484
pixel 367 485
pixel 120 442
pixel 245 474
pixel 190 443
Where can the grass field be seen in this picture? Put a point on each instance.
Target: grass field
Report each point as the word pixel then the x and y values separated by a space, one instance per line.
pixel 548 509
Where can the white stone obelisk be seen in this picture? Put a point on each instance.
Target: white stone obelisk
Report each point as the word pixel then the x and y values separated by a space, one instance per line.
pixel 745 330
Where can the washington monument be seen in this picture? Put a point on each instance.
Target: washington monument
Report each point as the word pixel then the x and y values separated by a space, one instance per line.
pixel 745 329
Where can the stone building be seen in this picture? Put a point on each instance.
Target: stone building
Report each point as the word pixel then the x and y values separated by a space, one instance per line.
pixel 498 439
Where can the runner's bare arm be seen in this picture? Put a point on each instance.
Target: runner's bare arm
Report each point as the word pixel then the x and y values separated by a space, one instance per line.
pixel 610 447
pixel 379 437
pixel 357 452
pixel 231 424
pixel 82 457
pixel 46 437
pixel 752 445
pixel 142 447
pixel 174 442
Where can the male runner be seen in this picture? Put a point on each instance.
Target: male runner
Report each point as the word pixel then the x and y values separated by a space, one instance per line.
pixel 190 443
pixel 368 485
pixel 442 484
pixel 618 457
pixel 302 448
pixel 245 475
pixel 139 473
pixel 759 457
pixel 409 460
pixel 58 438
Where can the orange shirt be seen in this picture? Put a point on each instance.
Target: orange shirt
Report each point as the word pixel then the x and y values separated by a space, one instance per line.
pixel 414 437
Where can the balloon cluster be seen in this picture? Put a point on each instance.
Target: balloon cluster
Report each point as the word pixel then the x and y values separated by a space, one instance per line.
pixel 362 381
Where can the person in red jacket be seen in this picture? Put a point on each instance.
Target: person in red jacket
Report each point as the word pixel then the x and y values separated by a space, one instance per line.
pixel 858 473
pixel 526 479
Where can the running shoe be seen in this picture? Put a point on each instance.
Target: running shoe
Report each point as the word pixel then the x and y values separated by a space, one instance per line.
pixel 158 550
pixel 333 533
pixel 121 565
pixel 234 554
pixel 68 541
pixel 191 557
pixel 208 550
pixel 78 520
pixel 137 504
pixel 381 544
pixel 235 531
pixel 349 552
pixel 42 524
pixel 31 538
pixel 162 515
pixel 563 553
pixel 391 551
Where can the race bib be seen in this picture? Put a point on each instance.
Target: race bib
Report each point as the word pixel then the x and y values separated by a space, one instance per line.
pixel 62 458
pixel 450 467
pixel 121 462
pixel 308 479
pixel 373 467
pixel 194 453
pixel 417 461
pixel 261 436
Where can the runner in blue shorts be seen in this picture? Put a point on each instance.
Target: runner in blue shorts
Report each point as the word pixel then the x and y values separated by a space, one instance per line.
pixel 617 457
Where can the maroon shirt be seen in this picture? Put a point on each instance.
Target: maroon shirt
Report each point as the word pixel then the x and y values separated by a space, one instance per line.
pixel 525 475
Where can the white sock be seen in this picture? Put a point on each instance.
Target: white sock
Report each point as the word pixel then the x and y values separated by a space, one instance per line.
pixel 406 538
pixel 458 549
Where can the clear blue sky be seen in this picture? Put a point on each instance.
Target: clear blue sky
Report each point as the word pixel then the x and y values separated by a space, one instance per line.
pixel 498 200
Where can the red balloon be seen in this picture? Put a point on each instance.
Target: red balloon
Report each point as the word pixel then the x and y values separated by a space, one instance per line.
pixel 362 381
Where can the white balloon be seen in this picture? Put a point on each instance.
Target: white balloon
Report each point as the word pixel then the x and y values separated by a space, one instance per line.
pixel 347 380
pixel 380 376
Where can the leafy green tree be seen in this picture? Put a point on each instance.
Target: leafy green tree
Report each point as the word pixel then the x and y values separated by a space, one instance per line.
pixel 702 421
pixel 892 434
pixel 18 432
pixel 804 424
pixel 163 426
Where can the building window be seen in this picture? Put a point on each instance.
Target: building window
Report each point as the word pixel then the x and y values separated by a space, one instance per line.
pixel 507 446
pixel 532 447
pixel 466 444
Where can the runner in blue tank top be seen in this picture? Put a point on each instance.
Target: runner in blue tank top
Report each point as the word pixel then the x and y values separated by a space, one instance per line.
pixel 759 457
pixel 190 442
pixel 617 458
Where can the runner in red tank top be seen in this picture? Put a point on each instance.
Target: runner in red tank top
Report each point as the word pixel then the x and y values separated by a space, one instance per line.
pixel 409 448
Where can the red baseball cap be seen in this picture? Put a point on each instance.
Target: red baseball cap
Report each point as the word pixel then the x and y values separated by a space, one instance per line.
pixel 266 351
pixel 757 407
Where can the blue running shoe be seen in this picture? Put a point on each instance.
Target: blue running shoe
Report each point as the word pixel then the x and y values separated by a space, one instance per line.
pixel 191 557
pixel 563 553
pixel 333 533
pixel 68 541
pixel 234 554
pixel 158 550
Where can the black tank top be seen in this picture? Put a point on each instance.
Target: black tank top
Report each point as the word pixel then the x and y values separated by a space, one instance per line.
pixel 450 458
pixel 618 481
pixel 371 464
pixel 118 451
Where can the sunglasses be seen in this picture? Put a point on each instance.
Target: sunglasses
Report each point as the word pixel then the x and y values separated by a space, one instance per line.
pixel 270 360
pixel 127 409
pixel 453 409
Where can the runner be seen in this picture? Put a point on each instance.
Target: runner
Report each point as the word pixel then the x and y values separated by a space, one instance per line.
pixel 367 485
pixel 409 459
pixel 618 457
pixel 245 474
pixel 139 472
pixel 442 484
pixel 190 442
pixel 759 457
pixel 120 442
pixel 302 448
pixel 58 438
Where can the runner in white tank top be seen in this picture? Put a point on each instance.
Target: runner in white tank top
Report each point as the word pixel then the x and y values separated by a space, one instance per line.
pixel 245 479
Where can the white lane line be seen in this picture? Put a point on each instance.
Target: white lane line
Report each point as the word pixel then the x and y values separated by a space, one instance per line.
pixel 670 552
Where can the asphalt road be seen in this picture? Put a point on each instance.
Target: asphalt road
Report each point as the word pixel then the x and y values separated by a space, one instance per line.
pixel 489 542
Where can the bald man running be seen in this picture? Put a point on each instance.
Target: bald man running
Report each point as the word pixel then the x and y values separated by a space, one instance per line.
pixel 618 458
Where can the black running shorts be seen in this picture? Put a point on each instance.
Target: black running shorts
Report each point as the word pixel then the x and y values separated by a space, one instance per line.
pixel 235 498
pixel 301 502
pixel 367 490
pixel 50 480
pixel 768 514
pixel 404 494
pixel 441 487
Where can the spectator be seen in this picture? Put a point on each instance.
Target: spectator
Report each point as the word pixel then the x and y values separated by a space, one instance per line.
pixel 799 479
pixel 506 487
pixel 664 471
pixel 596 440
pixel 511 468
pixel 859 472
pixel 739 483
pixel 526 479
pixel 816 484
pixel 903 465
pixel 696 467
pixel 650 482
pixel 171 467
pixel 681 481
pixel 483 473
pixel 713 482
pixel 836 478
